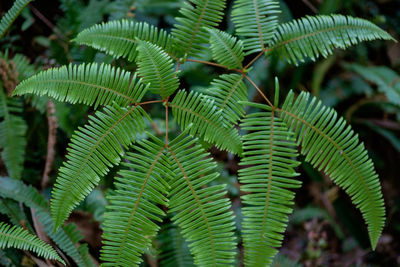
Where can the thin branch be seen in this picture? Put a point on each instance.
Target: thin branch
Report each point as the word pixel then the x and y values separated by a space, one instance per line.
pixel 207 63
pixel 259 90
pixel 254 59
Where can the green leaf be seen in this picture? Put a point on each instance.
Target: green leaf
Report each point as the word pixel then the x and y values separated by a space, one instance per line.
pixel 227 91
pixel 387 80
pixel 134 208
pixel 268 179
pixel 313 36
pixel 90 84
pixel 332 146
pixel 17 237
pixel 12 135
pixel 66 237
pixel 256 21
pixel 201 211
pixel 190 34
pixel 201 115
pixel 157 69
pixel 11 15
pixel 120 38
pixel 227 50
pixel 93 150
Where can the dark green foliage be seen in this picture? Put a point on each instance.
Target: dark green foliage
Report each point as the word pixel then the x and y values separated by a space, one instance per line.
pixel 11 15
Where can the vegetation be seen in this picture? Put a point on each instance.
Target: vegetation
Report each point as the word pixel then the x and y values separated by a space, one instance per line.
pixel 168 109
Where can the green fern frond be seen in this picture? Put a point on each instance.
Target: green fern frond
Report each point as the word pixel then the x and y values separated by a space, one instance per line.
pixel 227 50
pixel 190 34
pixel 174 249
pixel 387 80
pixel 11 15
pixel 119 38
pixel 67 237
pixel 311 37
pixel 17 237
pixel 227 91
pixel 157 69
pixel 332 146
pixel 23 66
pixel 12 135
pixel 201 211
pixel 133 212
pixel 15 213
pixel 268 178
pixel 90 84
pixel 93 150
pixel 196 110
pixel 256 21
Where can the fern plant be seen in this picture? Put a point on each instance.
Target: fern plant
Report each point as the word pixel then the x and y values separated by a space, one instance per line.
pixel 171 176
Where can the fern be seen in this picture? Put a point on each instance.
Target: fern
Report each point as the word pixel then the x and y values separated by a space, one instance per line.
pixel 157 69
pixel 119 38
pixel 198 112
pixel 132 214
pixel 93 150
pixel 90 84
pixel 387 80
pixel 12 135
pixel 311 37
pixel 190 33
pixel 330 145
pixel 268 176
pixel 66 237
pixel 17 237
pixel 226 49
pixel 256 21
pixel 11 15
pixel 228 90
pixel 201 212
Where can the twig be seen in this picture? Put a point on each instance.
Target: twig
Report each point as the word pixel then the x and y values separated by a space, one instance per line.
pixel 51 142
pixel 259 90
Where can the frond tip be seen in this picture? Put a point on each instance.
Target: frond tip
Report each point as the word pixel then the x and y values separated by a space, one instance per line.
pixel 17 237
pixel 313 36
pixel 11 15
pixel 329 144
pixel 268 178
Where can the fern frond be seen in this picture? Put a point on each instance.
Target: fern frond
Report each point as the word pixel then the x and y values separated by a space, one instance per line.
pixel 90 84
pixel 256 21
pixel 133 212
pixel 313 36
pixel 199 112
pixel 119 38
pixel 17 237
pixel 268 178
pixel 15 213
pixel 11 15
pixel 12 135
pixel 157 69
pixel 190 34
pixel 227 50
pixel 387 80
pixel 332 146
pixel 227 91
pixel 201 211
pixel 174 249
pixel 67 237
pixel 93 150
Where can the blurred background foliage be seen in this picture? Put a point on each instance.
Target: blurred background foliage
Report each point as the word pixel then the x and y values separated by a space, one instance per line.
pixel 361 83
